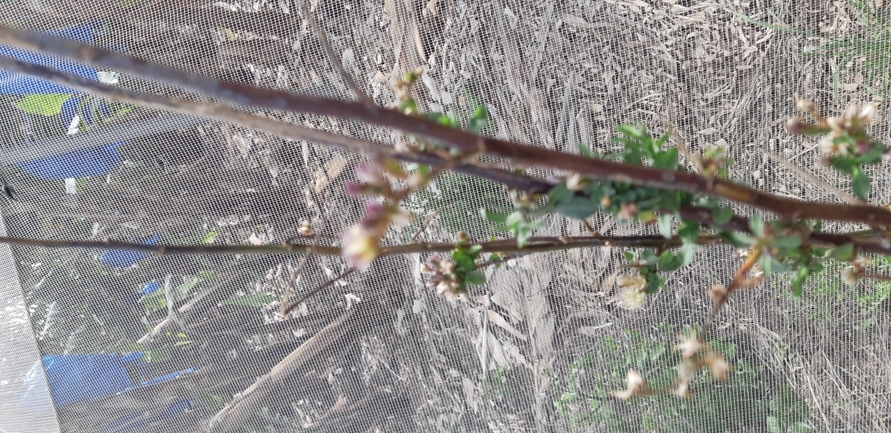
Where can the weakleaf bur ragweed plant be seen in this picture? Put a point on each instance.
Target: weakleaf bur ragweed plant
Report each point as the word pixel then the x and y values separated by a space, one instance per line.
pixel 645 181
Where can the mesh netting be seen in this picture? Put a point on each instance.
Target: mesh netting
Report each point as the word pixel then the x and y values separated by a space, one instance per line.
pixel 90 343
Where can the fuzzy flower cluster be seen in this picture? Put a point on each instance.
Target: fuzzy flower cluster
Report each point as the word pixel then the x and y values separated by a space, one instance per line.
pixel 851 126
pixel 853 273
pixel 361 242
pixel 695 355
pixel 632 291
pixel 443 280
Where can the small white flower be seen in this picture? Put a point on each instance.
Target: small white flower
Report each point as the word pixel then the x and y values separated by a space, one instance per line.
pixel 360 246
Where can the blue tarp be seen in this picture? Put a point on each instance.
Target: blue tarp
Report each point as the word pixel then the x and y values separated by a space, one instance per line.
pixel 125 258
pixel 80 163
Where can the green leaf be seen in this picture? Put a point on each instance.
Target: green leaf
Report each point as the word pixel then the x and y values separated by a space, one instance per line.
pixel 182 291
pixel 629 256
pixel 860 184
pixel 799 279
pixel 559 193
pixel 158 299
pixel 577 207
pixel 668 262
pixel 844 164
pixel 686 253
pixel 786 242
pixel 48 104
pixel 476 279
pixel 631 131
pixel 654 283
pixel 667 160
pixel 722 215
pixel 843 252
pixel 210 237
pixel 873 156
pixel 585 151
pixel 648 257
pixel 773 425
pixel 494 217
pixel 478 121
pixel 665 226
pixel 756 224
pixel 252 300
pixel 689 232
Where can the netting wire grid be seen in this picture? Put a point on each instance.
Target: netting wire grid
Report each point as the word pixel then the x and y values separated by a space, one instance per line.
pixel 90 344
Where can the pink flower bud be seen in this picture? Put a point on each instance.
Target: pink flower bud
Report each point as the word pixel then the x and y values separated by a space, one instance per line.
pixel 374 211
pixel 355 189
pixel 368 173
pixel 795 126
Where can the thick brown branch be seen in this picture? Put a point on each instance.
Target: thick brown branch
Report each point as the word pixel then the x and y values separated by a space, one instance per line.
pixel 518 154
pixel 269 125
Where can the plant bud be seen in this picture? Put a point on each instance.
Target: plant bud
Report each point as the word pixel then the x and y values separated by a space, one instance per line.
pixel 806 105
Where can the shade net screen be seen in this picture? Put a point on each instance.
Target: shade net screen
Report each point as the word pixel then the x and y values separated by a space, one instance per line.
pixel 118 341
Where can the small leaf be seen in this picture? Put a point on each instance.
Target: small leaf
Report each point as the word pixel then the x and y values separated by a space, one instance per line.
pixel 844 164
pixel 722 215
pixel 478 121
pixel 494 217
pixel 182 291
pixel 577 207
pixel 559 194
pixel 667 160
pixel 476 279
pixel 756 224
pixel 631 131
pixel 689 232
pixel 786 242
pixel 843 252
pixel 629 256
pixel 802 275
pixel 252 300
pixel 648 257
pixel 665 226
pixel 874 154
pixel 686 253
pixel 860 184
pixel 668 262
pixel 586 152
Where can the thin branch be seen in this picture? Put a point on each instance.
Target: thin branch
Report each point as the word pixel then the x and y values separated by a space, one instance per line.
pixel 814 179
pixel 738 279
pixel 423 226
pixel 296 275
pixel 332 56
pixel 517 154
pixel 312 292
pixel 507 246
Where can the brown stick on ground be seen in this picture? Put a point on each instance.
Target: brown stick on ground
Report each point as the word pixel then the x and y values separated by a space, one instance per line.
pixel 246 404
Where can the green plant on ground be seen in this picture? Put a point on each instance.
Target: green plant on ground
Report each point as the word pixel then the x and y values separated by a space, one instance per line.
pixel 740 402
pixel 500 385
pixel 867 50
